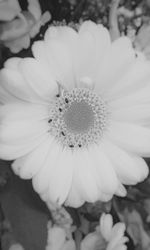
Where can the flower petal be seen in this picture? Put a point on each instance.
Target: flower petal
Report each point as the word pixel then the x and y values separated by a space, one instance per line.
pixel 28 165
pixel 117 61
pixel 129 168
pixel 56 51
pixel 41 179
pixel 38 78
pixel 135 79
pixel 60 62
pixel 137 113
pixel 18 132
pixel 138 97
pixel 12 151
pixel 6 96
pixel 12 81
pixel 106 224
pixel 56 238
pixel 74 198
pixel 117 235
pixel 93 44
pixel 103 169
pixel 91 241
pixel 118 247
pixel 131 137
pixel 23 112
pixel 60 178
pixel 83 178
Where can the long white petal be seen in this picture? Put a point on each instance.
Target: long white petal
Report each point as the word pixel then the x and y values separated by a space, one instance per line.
pixel 39 78
pixel 93 44
pixel 60 62
pixel 74 198
pixel 83 177
pixel 103 168
pixel 55 53
pixel 28 165
pixel 136 113
pixel 13 151
pixel 130 168
pixel 23 112
pixel 138 97
pixel 22 131
pixel 12 81
pixel 116 63
pixel 131 137
pixel 135 79
pixel 60 177
pixel 41 179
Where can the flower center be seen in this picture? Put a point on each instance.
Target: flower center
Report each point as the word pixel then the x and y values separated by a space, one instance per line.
pixel 78 118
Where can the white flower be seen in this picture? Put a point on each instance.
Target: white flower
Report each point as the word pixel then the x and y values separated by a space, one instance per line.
pixel 57 239
pixel 9 9
pixel 135 228
pixel 76 116
pixel 20 26
pixel 107 236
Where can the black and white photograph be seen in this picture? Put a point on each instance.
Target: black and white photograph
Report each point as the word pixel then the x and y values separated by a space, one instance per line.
pixel 74 124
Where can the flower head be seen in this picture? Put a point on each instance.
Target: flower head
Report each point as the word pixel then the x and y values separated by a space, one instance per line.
pixel 58 239
pixel 76 116
pixel 19 26
pixel 9 9
pixel 106 236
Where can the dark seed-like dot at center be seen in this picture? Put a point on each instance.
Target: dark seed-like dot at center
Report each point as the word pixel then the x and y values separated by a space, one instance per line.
pixel 63 133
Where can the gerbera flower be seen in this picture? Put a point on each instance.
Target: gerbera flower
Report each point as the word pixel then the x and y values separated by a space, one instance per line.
pixel 76 116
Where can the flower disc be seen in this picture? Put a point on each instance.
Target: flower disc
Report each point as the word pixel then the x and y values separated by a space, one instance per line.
pixel 78 118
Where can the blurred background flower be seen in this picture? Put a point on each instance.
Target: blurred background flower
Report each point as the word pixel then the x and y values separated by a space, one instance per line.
pixel 105 237
pixel 17 27
pixel 9 9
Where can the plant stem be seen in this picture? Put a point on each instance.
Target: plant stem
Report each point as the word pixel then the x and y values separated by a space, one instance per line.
pixel 113 20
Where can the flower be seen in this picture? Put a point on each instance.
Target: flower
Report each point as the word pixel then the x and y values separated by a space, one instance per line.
pixel 106 236
pixel 58 239
pixel 9 9
pixel 20 26
pixel 135 228
pixel 75 118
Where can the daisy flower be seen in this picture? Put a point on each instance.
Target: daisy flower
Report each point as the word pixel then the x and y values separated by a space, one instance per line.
pixel 106 236
pixel 75 118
